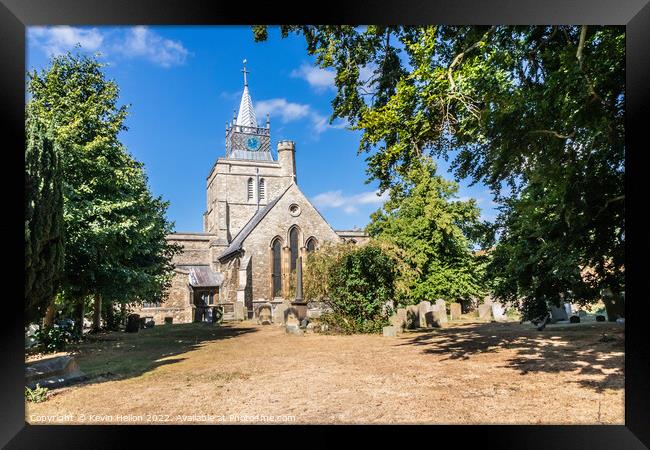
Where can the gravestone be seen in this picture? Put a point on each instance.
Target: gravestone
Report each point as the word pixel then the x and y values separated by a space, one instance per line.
pixel 398 319
pixel 390 331
pixel 499 312
pixel 278 313
pixel 440 303
pixel 485 311
pixel 412 320
pixel 439 314
pixel 291 317
pixel 423 308
pixel 455 311
pixel 431 318
pixel 53 372
pixel 132 323
pixel 558 313
pixel 264 314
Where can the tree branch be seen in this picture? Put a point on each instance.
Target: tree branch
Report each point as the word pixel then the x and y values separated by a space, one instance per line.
pixel 461 55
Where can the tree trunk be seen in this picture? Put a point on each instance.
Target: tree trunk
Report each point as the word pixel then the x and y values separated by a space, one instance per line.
pixel 50 313
pixel 79 315
pixel 97 316
pixel 614 304
pixel 110 316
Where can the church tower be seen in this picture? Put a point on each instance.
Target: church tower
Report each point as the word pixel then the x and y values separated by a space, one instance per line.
pixel 248 177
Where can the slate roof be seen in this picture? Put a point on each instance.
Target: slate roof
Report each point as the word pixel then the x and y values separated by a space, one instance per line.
pixel 246 116
pixel 203 276
pixel 236 244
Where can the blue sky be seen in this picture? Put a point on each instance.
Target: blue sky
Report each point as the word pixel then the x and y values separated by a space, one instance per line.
pixel 183 84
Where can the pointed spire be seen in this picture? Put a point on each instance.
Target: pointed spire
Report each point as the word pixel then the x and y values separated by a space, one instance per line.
pixel 246 116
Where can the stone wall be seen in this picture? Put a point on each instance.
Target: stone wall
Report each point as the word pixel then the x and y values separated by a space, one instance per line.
pixel 277 222
pixel 177 302
pixel 196 248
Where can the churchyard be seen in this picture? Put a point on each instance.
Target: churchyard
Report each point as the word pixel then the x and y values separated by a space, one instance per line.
pixel 466 372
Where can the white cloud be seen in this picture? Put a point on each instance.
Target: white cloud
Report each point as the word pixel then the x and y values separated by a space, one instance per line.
pixel 140 41
pixel 290 112
pixel 349 204
pixel 132 42
pixel 319 79
pixel 54 41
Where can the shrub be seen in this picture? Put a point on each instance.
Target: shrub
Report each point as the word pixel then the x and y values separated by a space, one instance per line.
pixel 36 395
pixel 361 284
pixel 55 338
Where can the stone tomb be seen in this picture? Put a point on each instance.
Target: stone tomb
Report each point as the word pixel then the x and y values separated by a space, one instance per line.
pixel 53 372
pixel 455 311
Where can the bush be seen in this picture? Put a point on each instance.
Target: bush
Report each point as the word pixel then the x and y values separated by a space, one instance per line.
pixel 55 338
pixel 361 284
pixel 36 395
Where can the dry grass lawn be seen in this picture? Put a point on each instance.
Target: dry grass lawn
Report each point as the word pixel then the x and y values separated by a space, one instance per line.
pixel 467 373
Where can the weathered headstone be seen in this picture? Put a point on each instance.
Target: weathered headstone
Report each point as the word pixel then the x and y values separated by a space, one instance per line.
pixel 412 320
pixel 132 323
pixel 423 308
pixel 398 319
pixel 558 313
pixel 390 331
pixel 485 311
pixel 499 312
pixel 278 313
pixel 439 316
pixel 264 314
pixel 455 311
pixel 440 303
pixel 431 318
pixel 291 317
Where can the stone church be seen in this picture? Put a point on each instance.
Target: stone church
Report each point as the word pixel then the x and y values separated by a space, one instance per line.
pixel 256 224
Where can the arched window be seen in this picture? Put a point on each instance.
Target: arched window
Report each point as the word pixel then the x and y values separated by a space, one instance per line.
pixel 250 189
pixel 276 270
pixel 262 189
pixel 294 247
pixel 311 244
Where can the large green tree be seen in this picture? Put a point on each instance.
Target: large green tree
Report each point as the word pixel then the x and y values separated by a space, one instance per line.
pixel 435 232
pixel 115 229
pixel 44 240
pixel 519 108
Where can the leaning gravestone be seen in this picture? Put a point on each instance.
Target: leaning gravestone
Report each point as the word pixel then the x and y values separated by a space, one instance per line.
pixel 485 311
pixel 264 314
pixel 53 372
pixel 499 312
pixel 423 308
pixel 455 311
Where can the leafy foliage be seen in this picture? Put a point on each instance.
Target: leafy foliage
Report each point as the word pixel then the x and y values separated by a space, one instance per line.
pixel 435 234
pixel 361 285
pixel 36 395
pixel 54 338
pixel 115 229
pixel 534 112
pixel 44 242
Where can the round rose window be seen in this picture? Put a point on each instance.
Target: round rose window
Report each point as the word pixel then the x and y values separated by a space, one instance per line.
pixel 294 210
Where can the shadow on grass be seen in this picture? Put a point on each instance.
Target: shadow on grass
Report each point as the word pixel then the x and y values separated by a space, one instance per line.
pixel 597 362
pixel 118 355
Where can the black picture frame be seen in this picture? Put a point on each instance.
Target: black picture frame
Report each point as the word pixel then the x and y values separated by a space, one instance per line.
pixel 15 15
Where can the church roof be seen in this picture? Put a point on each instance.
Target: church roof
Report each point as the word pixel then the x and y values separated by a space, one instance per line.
pixel 203 276
pixel 246 116
pixel 236 244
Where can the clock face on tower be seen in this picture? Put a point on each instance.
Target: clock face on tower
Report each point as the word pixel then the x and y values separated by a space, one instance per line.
pixel 252 143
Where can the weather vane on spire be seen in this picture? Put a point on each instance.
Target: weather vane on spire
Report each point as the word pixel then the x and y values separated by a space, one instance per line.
pixel 245 72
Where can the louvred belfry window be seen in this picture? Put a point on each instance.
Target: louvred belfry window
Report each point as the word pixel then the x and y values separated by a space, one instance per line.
pixel 262 189
pixel 250 189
